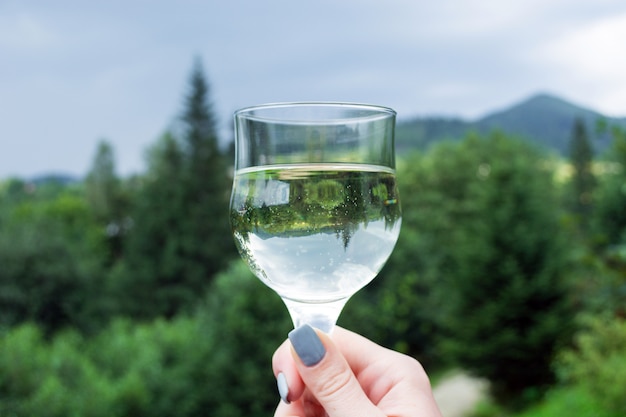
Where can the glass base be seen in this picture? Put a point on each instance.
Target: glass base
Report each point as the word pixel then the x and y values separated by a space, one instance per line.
pixel 322 316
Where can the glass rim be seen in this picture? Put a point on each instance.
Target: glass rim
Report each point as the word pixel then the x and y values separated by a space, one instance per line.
pixel 377 112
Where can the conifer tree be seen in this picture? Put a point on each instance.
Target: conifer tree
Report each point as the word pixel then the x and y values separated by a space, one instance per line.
pixel 154 276
pixel 102 184
pixel 208 241
pixel 181 234
pixel 583 180
pixel 104 194
pixel 610 215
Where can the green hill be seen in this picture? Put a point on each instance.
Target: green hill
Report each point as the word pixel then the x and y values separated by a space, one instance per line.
pixel 542 119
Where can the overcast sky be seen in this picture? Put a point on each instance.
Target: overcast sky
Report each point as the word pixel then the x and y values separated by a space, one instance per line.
pixel 75 72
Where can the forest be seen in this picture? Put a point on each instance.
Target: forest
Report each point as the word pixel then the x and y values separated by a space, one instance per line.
pixel 127 297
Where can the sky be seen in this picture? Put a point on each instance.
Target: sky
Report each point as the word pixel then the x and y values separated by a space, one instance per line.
pixel 74 73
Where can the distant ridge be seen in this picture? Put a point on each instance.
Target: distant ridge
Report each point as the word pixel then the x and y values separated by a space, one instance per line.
pixel 61 179
pixel 543 119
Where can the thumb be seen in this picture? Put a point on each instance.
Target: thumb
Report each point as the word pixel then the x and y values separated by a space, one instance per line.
pixel 328 376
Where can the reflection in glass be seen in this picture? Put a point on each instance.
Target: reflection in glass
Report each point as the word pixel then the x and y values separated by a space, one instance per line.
pixel 329 228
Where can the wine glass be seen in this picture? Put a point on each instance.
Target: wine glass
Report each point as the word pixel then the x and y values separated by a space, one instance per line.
pixel 315 209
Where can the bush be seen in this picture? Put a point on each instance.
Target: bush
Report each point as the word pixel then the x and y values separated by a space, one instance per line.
pixel 217 362
pixel 597 362
pixel 248 321
pixel 154 363
pixel 565 402
pixel 38 378
pixel 50 264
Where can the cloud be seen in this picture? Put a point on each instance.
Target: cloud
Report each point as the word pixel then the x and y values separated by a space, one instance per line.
pixel 25 31
pixel 119 69
pixel 595 50
pixel 593 58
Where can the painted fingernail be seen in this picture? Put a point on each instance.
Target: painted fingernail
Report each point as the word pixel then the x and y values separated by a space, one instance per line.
pixel 307 345
pixel 283 388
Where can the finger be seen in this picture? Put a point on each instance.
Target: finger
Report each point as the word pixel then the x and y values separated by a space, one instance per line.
pixel 305 406
pixel 393 381
pixel 290 385
pixel 371 361
pixel 328 376
pixel 289 410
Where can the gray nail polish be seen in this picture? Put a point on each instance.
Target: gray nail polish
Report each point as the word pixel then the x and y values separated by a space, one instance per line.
pixel 307 345
pixel 283 388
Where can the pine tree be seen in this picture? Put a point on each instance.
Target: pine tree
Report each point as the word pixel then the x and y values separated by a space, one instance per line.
pixel 208 241
pixel 153 281
pixel 104 194
pixel 610 213
pixel 181 234
pixel 583 180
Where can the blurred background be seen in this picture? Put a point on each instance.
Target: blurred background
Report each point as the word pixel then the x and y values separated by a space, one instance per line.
pixel 121 292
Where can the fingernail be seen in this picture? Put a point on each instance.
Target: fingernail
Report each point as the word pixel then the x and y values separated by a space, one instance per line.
pixel 283 388
pixel 307 345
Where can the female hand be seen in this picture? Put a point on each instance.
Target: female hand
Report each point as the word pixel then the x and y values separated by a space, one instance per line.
pixel 348 375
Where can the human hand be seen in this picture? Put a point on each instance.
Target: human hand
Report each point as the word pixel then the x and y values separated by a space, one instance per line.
pixel 348 376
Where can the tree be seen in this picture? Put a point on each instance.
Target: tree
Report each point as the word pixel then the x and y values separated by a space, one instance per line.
pixel 208 242
pixel 180 237
pixel 511 311
pixel 102 183
pixel 240 312
pixel 610 215
pixel 151 280
pixel 50 263
pixel 180 367
pixel 583 179
pixel 104 194
pixel 597 362
pixel 501 260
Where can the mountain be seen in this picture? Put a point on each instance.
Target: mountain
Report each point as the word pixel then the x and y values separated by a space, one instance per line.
pixel 58 179
pixel 543 119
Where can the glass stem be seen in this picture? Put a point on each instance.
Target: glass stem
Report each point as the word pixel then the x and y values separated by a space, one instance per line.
pixel 322 316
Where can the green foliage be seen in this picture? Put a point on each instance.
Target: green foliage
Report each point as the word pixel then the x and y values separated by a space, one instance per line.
pixel 597 362
pixel 102 187
pixel 507 296
pixel 610 216
pixel 562 401
pixel 151 280
pixel 107 200
pixel 217 362
pixel 180 236
pixel 50 256
pixel 479 265
pixel 206 186
pixel 592 374
pixel 51 379
pixel 248 321
pixel 567 401
pixel 583 180
pixel 118 373
pixel 155 363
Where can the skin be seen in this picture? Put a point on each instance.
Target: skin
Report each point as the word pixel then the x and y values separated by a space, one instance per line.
pixel 355 378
